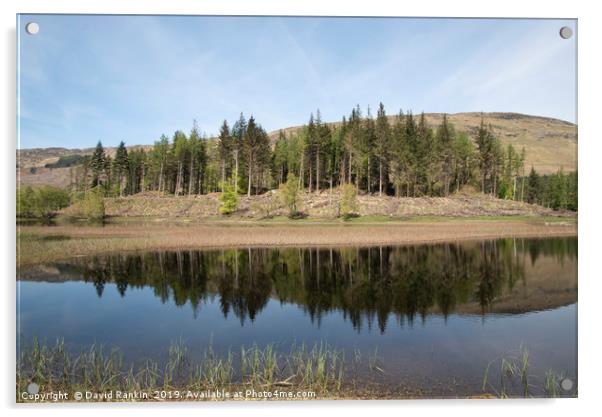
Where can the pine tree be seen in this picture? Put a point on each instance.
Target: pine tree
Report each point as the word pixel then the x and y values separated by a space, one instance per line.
pixel 382 148
pixel 226 149
pixel 256 148
pixel 399 153
pixel 445 139
pixel 410 146
pixel 197 155
pixel 280 159
pixel 464 155
pixel 239 130
pixel 98 164
pixel 486 147
pixel 533 187
pixel 427 162
pixel 322 134
pixel 158 163
pixel 121 167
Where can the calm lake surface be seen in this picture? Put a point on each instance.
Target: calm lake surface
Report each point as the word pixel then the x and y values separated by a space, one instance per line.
pixel 432 316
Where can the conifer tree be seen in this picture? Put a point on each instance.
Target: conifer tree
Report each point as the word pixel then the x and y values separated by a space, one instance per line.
pixel 382 138
pixel 121 167
pixel 533 187
pixel 98 165
pixel 256 151
pixel 445 138
pixel 226 149
pixel 239 130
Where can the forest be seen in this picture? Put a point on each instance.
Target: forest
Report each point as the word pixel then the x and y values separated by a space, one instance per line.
pixel 403 158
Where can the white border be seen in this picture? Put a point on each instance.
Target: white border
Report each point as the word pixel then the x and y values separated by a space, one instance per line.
pixel 590 135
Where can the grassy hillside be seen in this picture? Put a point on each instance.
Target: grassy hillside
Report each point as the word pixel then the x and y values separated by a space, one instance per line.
pixel 549 143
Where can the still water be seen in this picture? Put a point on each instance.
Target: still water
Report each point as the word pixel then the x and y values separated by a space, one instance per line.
pixel 434 316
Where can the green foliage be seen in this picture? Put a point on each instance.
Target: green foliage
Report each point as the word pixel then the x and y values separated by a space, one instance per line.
pixel 289 193
pixel 534 187
pixel 67 161
pixel 557 191
pixel 25 202
pixel 348 206
pixel 41 202
pixel 92 205
pixel 228 198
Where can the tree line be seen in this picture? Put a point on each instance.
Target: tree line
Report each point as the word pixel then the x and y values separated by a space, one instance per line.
pixel 402 156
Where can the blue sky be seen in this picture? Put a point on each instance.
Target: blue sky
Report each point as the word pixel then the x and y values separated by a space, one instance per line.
pixel 132 78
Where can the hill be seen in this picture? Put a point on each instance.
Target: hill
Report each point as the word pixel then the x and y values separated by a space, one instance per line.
pixel 549 143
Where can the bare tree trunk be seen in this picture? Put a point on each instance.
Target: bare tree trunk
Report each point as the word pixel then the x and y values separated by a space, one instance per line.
pixel 330 192
pixel 223 174
pixel 310 176
pixel 301 182
pixel 514 188
pixel 350 164
pixel 369 180
pixel 161 178
pixel 380 178
pixel 250 177
pixel 522 188
pixel 190 182
pixel 179 179
pixel 200 179
pixel 236 173
pixel 318 171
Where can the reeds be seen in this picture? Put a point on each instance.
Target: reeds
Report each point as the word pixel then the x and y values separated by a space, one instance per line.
pixel 319 368
pixel 516 380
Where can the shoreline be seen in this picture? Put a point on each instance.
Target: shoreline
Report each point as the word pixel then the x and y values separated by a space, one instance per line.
pixel 39 244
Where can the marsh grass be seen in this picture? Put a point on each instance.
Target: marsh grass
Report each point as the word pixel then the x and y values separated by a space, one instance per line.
pixel 516 380
pixel 319 368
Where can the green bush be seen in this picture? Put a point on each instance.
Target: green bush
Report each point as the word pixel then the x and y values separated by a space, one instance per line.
pixel 41 202
pixel 348 206
pixel 228 198
pixel 93 206
pixel 289 193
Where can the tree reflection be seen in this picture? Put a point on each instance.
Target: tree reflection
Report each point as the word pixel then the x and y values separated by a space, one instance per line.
pixel 367 285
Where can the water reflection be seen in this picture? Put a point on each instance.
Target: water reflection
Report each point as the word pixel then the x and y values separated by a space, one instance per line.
pixel 366 285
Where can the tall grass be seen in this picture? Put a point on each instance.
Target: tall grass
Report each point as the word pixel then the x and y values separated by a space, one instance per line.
pixel 516 380
pixel 319 368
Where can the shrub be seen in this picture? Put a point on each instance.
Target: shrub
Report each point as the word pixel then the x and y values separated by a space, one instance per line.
pixel 228 198
pixel 25 202
pixel 93 206
pixel 41 202
pixel 289 192
pixel 267 206
pixel 348 207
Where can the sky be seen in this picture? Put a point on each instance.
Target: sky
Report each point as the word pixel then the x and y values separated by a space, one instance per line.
pixel 82 79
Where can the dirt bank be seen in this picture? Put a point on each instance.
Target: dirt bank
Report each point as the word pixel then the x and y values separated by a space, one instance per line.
pixel 89 240
pixel 323 205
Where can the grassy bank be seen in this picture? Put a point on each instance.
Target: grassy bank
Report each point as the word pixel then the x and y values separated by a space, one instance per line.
pixel 37 244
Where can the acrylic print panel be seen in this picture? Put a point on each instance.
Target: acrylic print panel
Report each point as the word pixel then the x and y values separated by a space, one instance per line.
pixel 295 208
